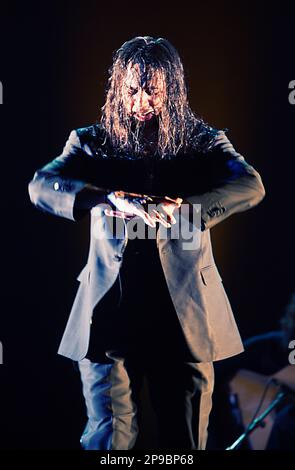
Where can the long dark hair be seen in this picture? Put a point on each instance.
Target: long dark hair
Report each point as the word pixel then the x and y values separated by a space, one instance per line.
pixel 179 128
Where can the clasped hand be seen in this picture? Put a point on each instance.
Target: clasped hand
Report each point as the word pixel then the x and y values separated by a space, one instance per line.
pixel 132 205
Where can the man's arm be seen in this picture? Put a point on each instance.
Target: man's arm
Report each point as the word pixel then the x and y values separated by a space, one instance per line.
pixel 235 185
pixel 61 186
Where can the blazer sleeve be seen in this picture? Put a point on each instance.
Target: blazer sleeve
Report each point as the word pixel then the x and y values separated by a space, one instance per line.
pixel 235 186
pixel 62 186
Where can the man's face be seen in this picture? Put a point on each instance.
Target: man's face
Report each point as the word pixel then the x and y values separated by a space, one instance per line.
pixel 143 93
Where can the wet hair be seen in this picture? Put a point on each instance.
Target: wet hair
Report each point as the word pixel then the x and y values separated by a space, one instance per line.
pixel 287 321
pixel 179 129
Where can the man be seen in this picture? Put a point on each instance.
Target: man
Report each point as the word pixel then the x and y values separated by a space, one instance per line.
pixel 144 306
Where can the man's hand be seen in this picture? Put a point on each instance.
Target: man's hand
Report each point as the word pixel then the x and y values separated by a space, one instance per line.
pixel 132 205
pixel 165 209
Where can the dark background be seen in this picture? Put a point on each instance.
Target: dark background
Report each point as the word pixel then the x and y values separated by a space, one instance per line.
pixel 53 66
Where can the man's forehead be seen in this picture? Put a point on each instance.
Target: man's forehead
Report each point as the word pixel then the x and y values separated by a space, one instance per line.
pixel 141 75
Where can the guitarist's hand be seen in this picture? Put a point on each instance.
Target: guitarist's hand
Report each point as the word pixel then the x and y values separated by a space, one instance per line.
pixel 132 205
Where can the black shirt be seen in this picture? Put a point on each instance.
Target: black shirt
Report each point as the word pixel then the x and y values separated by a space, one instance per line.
pixel 137 314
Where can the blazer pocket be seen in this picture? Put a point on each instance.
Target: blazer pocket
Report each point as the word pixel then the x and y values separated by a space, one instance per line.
pixel 210 274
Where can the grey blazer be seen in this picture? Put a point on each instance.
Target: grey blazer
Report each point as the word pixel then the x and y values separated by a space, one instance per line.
pixel 65 187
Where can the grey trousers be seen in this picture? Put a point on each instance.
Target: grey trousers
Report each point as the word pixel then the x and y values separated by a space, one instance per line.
pixel 180 394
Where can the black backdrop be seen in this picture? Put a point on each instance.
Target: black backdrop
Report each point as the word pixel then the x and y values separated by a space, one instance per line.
pixel 53 67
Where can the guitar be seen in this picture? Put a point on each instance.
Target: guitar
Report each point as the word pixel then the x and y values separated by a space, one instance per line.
pixel 248 387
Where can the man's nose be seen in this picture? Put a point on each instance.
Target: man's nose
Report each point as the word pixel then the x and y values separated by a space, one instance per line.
pixel 142 101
